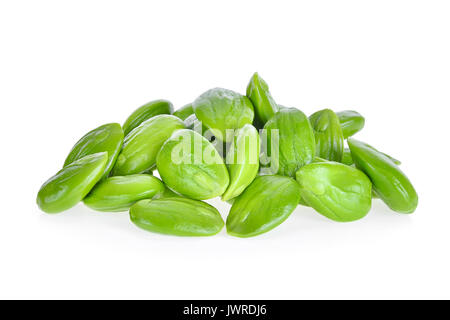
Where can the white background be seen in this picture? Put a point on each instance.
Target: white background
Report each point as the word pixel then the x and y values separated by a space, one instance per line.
pixel 67 67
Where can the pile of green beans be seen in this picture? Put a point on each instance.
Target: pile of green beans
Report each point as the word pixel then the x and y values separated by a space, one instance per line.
pixel 262 158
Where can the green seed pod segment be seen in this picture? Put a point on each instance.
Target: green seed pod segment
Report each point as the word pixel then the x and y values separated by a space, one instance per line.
pixel 351 122
pixel 265 204
pixel 145 112
pixel 337 191
pixel 389 182
pixel 242 160
pixel 259 94
pixel 221 110
pixel 177 216
pixel 290 140
pixel 190 165
pixel 328 133
pixel 106 138
pixel 72 183
pixel 141 145
pixel 119 193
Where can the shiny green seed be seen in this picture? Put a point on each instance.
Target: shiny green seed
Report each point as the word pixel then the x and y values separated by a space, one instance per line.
pixel 221 110
pixel 72 183
pixel 242 161
pixel 290 142
pixel 106 138
pixel 145 112
pixel 259 94
pixel 190 165
pixel 328 133
pixel 141 145
pixel 337 191
pixel 265 204
pixel 389 181
pixel 177 216
pixel 119 193
pixel 351 122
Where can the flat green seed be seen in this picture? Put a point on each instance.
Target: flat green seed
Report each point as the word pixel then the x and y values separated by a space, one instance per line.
pixel 242 161
pixel 265 204
pixel 290 142
pixel 106 138
pixel 259 94
pixel 141 145
pixel 351 122
pixel 190 165
pixel 119 193
pixel 328 133
pixel 177 216
pixel 221 110
pixel 337 191
pixel 72 183
pixel 145 112
pixel 389 181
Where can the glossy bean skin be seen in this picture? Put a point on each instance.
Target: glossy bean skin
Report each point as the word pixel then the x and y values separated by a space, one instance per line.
pixel 351 122
pixel 296 143
pixel 141 145
pixel 177 216
pixel 263 103
pixel 337 191
pixel 265 204
pixel 328 133
pixel 145 112
pixel 221 110
pixel 106 138
pixel 242 161
pixel 119 193
pixel 184 112
pixel 72 183
pixel 190 165
pixel 389 182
